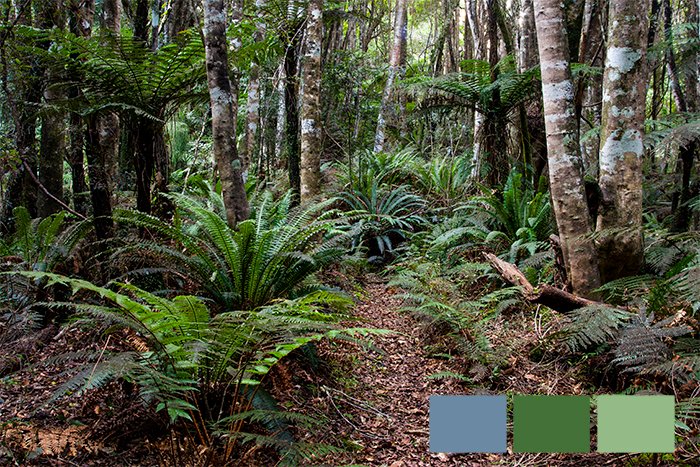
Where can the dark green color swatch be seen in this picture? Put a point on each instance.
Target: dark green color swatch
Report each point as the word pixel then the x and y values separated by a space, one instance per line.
pixel 636 423
pixel 551 424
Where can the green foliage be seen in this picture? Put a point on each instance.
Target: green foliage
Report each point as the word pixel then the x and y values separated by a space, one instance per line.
pixel 642 343
pixel 198 366
pixel 445 180
pixel 474 88
pixel 121 73
pixel 268 257
pixel 41 244
pixel 592 326
pixel 384 168
pixel 516 220
pixel 381 217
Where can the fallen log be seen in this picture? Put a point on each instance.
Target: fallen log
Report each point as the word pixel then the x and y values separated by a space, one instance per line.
pixel 545 294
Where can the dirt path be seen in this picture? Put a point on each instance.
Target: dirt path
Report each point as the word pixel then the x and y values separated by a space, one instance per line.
pixel 385 411
pixel 379 405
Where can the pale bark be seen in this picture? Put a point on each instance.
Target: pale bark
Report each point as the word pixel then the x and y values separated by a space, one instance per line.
pixel 589 94
pixel 223 113
pixel 311 142
pixel 622 129
pixel 527 37
pixel 253 104
pixel 565 168
pixel 395 66
pixel 479 54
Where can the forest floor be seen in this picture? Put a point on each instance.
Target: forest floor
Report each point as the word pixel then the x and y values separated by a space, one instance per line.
pixel 373 401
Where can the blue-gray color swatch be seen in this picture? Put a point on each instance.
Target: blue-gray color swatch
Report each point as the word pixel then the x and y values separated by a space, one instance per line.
pixel 468 423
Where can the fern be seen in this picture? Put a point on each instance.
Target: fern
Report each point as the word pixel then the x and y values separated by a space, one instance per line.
pixel 642 343
pixel 593 325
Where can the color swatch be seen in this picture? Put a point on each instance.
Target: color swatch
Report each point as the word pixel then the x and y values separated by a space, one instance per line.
pixel 468 424
pixel 551 424
pixel 636 423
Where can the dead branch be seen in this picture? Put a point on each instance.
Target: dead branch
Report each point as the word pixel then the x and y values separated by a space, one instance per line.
pixel 552 297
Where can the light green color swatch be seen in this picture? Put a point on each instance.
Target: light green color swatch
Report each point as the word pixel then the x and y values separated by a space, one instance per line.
pixel 636 423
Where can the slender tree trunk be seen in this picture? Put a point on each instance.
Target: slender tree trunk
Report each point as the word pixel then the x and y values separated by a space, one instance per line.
pixel 527 36
pixel 565 168
pixel 223 113
pixel 102 145
pixel 182 16
pixel 479 54
pixel 82 14
pixel 253 106
pixel 395 66
pixel 589 91
pixel 311 141
pixel 53 139
pixel 291 103
pixel 686 153
pixel 620 246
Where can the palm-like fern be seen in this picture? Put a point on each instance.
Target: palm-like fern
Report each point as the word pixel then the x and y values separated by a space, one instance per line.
pixel 381 217
pixel 383 168
pixel 475 88
pixel 267 258
pixel 121 73
pixel 446 180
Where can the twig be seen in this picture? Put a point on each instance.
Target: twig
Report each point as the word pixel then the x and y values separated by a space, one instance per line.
pixel 361 431
pixel 28 168
pixel 363 405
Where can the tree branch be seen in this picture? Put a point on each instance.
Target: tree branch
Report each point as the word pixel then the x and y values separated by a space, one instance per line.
pixel 552 297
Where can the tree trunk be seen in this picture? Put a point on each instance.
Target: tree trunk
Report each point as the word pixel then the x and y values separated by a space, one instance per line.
pixel 311 142
pixel 223 113
pixel 82 14
pixel 479 54
pixel 619 224
pixel 291 104
pixel 182 16
pixel 565 168
pixel 103 143
pixel 51 154
pixel 589 90
pixel 395 67
pixel 253 105
pixel 527 37
pixel 100 182
pixel 686 153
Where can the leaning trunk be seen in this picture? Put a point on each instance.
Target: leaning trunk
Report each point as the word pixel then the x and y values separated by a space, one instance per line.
pixel 395 65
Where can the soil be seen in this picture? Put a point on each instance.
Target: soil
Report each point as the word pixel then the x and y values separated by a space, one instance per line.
pixel 372 400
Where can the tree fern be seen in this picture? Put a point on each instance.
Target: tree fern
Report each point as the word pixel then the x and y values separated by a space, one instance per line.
pixel 593 325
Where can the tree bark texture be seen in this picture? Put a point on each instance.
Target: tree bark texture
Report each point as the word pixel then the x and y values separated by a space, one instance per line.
pixel 589 90
pixel 395 70
pixel 81 18
pixel 311 141
pixel 53 137
pixel 291 107
pixel 253 104
pixel 223 113
pixel 565 168
pixel 622 128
